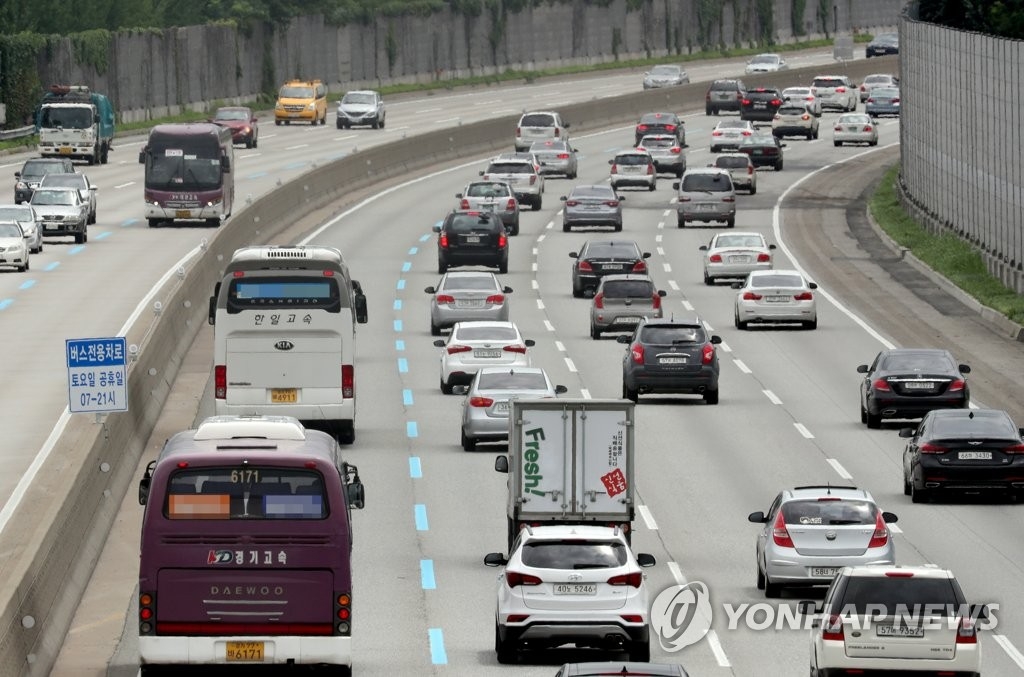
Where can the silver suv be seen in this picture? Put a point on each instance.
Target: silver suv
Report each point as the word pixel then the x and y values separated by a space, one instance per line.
pixel 540 126
pixel 621 301
pixel 522 175
pixel 706 194
pixel 741 169
pixel 361 108
pixel 835 91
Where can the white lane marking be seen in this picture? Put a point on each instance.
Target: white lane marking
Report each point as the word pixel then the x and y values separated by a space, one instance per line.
pixel 673 285
pixel 659 237
pixel 677 573
pixel 249 155
pixel 447 120
pixel 661 251
pixel 125 185
pixel 1011 651
pixel 535 251
pixel 716 648
pixel 534 284
pixel 398 129
pixel 686 304
pixel 645 512
pixel 661 225
pixel 301 145
pixel 560 346
pixel 346 137
pixel 570 365
pixel 742 367
pixel 772 397
pixel 707 325
pixel 667 267
pixel 585 394
pixel 666 212
pixel 264 136
pixel 840 470
pixel 726 348
pixel 548 325
pixel 895 528
pixel 428 110
pixel 540 304
pixel 540 238
pixel 533 267
pixel 486 103
pixel 802 429
pixel 502 111
pixel 550 225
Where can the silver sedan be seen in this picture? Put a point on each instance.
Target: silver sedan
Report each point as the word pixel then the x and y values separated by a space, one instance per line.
pixel 473 345
pixel 596 205
pixel 555 156
pixel 776 296
pixel 735 255
pixel 665 75
pixel 485 409
pixel 855 128
pixel 462 296
pixel 492 196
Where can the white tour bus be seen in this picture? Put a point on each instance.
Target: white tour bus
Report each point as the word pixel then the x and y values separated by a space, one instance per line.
pixel 284 335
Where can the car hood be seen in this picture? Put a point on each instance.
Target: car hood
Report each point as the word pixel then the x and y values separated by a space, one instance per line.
pixel 63 210
pixel 356 107
pixel 10 242
pixel 232 124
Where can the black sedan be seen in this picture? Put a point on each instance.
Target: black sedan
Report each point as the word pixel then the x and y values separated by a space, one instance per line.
pixel 910 382
pixel 765 150
pixel 884 43
pixel 964 450
pixel 660 123
pixel 605 257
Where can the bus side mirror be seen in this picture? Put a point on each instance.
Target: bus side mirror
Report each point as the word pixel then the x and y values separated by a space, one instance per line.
pixel 356 495
pixel 213 310
pixel 147 479
pixel 359 301
pixel 225 164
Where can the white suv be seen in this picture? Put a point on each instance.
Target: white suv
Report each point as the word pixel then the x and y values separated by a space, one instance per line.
pixel 835 91
pixel 523 175
pixel 571 584
pixel 540 126
pixel 908 619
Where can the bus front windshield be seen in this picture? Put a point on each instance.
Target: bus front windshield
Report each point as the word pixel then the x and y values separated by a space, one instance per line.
pixel 176 169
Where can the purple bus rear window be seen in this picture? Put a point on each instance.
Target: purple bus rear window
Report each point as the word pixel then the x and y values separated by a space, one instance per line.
pixel 260 493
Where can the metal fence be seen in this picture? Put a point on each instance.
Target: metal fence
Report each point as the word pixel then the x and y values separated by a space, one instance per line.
pixel 18 133
pixel 961 139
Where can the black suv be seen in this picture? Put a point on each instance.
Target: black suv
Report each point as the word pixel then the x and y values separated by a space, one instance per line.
pixel 27 180
pixel 670 356
pixel 471 238
pixel 760 104
pixel 723 95
pixel 660 123
pixel 605 257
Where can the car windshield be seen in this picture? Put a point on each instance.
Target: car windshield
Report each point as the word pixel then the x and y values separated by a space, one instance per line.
pixel 10 230
pixel 632 159
pixel 739 241
pixel 16 214
pixel 510 168
pixel 537 120
pixel 358 98
pixel 898 595
pixel 776 280
pixel 765 58
pixel 573 554
pixel 917 362
pixel 75 117
pixel 706 182
pixel 467 223
pixel 732 162
pixel 628 289
pixel 53 197
pixel 488 190
pixel 34 170
pixel 665 70
pixel 666 336
pixel 296 93
pixel 470 282
pixel 890 38
pixel 485 334
pixel 232 114
pixel 511 380
pixel 828 512
pixel 609 250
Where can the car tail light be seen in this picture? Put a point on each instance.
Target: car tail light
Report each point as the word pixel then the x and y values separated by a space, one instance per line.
pixel 675 150
pixel 837 128
pixel 641 128
pixel 715 258
pixel 563 156
pixel 453 350
pixel 707 353
pixel 445 298
pixel 464 204
pixel 634 580
pixel 881 535
pixel 519 131
pixel 655 301
pixel 599 300
pixel 146 613
pixel 881 384
pixel 867 128
pixel 896 100
pixel 805 116
pixel 632 618
pixel 684 198
pixel 650 169
pixel 929 448
pixel 716 133
pixel 557 132
pixel 808 98
pixel 517 618
pixel 612 203
pixel 967 633
pixel 751 296
pixel 776 102
pixel 641 148
pixel 750 169
pixel 343 612
pixel 511 204
pixel 571 203
pixel 483 402
pixel 728 198
pixel 707 96
pixel 514 578
pixel 747 132
pixel 348 381
pixel 487 177
pixel 640 267
pixel 803 296
pixel 832 629
pixel 745 102
pixel 515 349
pixel 1014 449
pixel 442 240
pixel 533 179
pixel 220 382
pixel 495 299
pixel 957 385
pixel 502 240
pixel 670 128
pixel 637 353
pixel 899 574
pixel 863 88
pixel 870 100
pixel 615 169
pixel 777 117
pixel 840 90
pixel 586 267
pixel 780 534
pixel 763 258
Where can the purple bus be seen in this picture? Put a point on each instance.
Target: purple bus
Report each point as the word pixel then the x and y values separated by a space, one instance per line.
pixel 246 548
pixel 188 173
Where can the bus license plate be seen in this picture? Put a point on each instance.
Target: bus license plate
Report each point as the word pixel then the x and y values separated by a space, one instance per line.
pixel 182 214
pixel 284 395
pixel 575 589
pixel 244 652
pixel 65 150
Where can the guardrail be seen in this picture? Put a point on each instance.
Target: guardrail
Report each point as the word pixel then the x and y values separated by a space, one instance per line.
pixel 19 133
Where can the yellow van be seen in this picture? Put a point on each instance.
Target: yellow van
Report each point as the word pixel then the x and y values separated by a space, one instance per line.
pixel 301 101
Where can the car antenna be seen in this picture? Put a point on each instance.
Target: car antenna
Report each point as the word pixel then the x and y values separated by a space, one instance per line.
pixel 828 491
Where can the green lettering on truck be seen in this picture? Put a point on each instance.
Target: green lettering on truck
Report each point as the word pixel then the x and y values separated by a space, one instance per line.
pixel 531 454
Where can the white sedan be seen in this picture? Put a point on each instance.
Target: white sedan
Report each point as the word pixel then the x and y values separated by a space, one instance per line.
pixel 473 345
pixel 735 255
pixel 14 246
pixel 855 128
pixel 776 296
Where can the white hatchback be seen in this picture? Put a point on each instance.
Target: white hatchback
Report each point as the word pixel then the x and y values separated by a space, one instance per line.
pixel 473 345
pixel 571 584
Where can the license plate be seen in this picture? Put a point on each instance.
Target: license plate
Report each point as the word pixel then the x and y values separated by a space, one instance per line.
pixel 284 395
pixel 293 115
pixel 244 652
pixel 182 214
pixel 672 360
pixel 918 385
pixel 575 589
pixel 898 631
pixel 760 105
pixel 469 303
pixel 501 407
pixel 706 207
pixel 489 354
pixel 852 129
pixel 65 150
pixel 975 455
pixel 739 259
pixel 823 572
pixel 629 320
pixel 776 299
pixel 473 239
pixel 612 266
pixel 758 151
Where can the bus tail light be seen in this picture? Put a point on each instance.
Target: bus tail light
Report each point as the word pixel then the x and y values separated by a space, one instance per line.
pixel 343 613
pixel 348 381
pixel 220 382
pixel 147 613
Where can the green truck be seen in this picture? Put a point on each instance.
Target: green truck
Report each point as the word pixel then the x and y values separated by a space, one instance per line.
pixel 73 121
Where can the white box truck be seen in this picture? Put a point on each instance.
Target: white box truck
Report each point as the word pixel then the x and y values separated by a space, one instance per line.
pixel 570 461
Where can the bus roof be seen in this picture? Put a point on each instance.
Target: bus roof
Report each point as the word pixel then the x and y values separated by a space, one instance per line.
pixel 178 129
pixel 288 257
pixel 270 435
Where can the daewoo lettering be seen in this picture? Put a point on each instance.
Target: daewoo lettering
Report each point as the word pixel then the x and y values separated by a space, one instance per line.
pixel 240 590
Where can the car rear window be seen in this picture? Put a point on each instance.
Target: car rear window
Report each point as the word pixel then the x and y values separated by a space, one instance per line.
pixel 792 110
pixel 512 380
pixel 732 162
pixel 470 282
pixel 510 168
pixel 657 119
pixel 666 336
pixel 739 241
pixel 877 78
pixel 724 85
pixel 981 425
pixel 488 190
pixel 537 120
pixel 706 182
pixel 776 280
pixel 632 159
pixel 654 142
pixel 592 191
pixel 547 146
pixel 467 223
pixel 829 512
pixel 628 289
pixel 574 555
pixel 485 333
pixel 608 250
pixel 917 362
pixel 828 82
pixel 249 492
pixel 897 594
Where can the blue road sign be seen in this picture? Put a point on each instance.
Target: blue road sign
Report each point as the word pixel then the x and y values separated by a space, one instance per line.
pixel 97 375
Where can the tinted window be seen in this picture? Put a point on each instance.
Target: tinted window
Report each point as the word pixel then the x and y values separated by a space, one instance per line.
pixel 706 182
pixel 573 555
pixel 16 214
pixel 601 250
pixel 825 513
pixel 888 592
pixel 650 142
pixel 632 160
pixel 512 381
pixel 248 492
pixel 658 119
pixel 296 93
pixel 917 362
pixel 54 197
pixel 593 191
pixel 359 98
pixel 877 78
pixel 982 425
pixel 662 335
pixel 283 292
pixel 885 92
pixel 732 162
pixel 827 82
pixel 792 110
pixel 628 289
pixel 765 59
pixel 855 120
pixel 724 85
pixel 37 169
pixel 546 146
pixel 665 70
pixel 732 124
pixel 10 230
pixel 467 223
pixel 67 180
pixel 537 120
pixel 486 333
pixel 510 168
pixel 776 280
pixel 488 190
pixel 471 282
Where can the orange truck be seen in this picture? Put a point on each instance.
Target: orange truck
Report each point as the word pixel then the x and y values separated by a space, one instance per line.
pixel 301 101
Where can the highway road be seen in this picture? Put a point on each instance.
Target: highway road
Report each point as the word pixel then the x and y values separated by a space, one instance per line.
pixel 788 412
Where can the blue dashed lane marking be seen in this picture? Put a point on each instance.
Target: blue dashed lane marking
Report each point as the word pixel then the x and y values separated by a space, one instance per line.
pixel 5 303
pixel 427 574
pixel 257 175
pixel 403 365
pixel 128 222
pixel 438 656
pixel 420 513
pixel 400 285
pixel 398 304
pixel 297 165
pixel 406 267
pixel 76 250
pixel 398 325
pixel 426 237
pixel 103 235
pixel 411 430
pixel 332 158
pixel 399 345
pixel 415 469
pixel 27 284
pixel 407 397
pixel 413 250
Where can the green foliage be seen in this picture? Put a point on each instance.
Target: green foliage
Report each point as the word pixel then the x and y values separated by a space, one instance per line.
pixel 1004 18
pixel 20 88
pixel 797 17
pixel 391 47
pixel 497 32
pixel 616 42
pixel 709 17
pixel 765 21
pixel 92 48
pixel 823 9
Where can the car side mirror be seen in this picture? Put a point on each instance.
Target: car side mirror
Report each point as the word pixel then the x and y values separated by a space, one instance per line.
pixel 507 290
pixel 144 483
pixel 965 369
pixel 782 145
pixel 662 293
pixel 501 464
pixel 561 390
pixel 574 255
pixel 812 285
pixel 757 517
pixel 716 339
pixel 530 343
pixel 890 517
pixel 458 195
pixel 808 607
pixel 771 246
pixel 907 432
pixel 566 125
pixel 439 343
pixel 430 290
pixel 611 162
pixel 675 184
pixel 979 612
pixel 225 165
pixel 495 559
pixel 461 389
pixel 359 301
pixel 17 175
pixel 481 173
pixel 623 338
pixel 645 560
pixel 436 228
pixel 862 368
pixel 647 255
pixel 703 247
pixel 737 285
pixel 94 188
pixel 563 198
pixel 142 159
pixel 356 494
pixel 212 312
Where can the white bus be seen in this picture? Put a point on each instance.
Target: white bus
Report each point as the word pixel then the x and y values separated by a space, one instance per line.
pixel 284 336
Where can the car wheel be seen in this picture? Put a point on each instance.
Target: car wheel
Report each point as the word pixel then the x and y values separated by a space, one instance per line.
pixel 277 122
pixel 863 414
pixel 714 149
pixel 874 421
pixel 760 578
pixel 24 268
pixel 708 111
pixel 347 432
pixel 80 237
pixel 837 143
pixel 538 203
pixel 873 143
pixel 515 229
pixel 337 123
pixel 468 443
pixel 708 280
pixel 730 222
pixel 918 495
pixel 815 137
pixel 566 227
pixel 772 590
pixel 505 652
pixel 248 142
pixel 376 124
pixel 753 189
pixel 577 292
pixel 908 487
pixel 256 142
pixel 736 321
pixel 446 387
pixel 810 324
pixel 711 396
pixel 618 228
pixel 629 394
pixel 572 176
pixel 595 333
pixel 778 166
pixel 652 187
pixel 640 652
pixel 435 330
pixel 503 267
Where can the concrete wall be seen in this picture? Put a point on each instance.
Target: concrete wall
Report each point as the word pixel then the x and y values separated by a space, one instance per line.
pixel 154 73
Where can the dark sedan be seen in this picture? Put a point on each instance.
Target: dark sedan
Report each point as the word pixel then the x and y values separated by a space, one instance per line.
pixel 760 104
pixel 964 450
pixel 596 205
pixel 670 356
pixel 884 43
pixel 764 150
pixel 910 382
pixel 605 257
pixel 660 123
